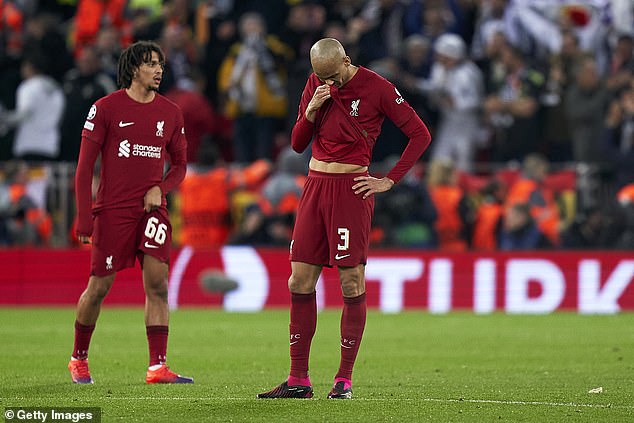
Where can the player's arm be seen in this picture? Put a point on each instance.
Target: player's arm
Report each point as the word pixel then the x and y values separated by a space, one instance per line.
pixel 176 172
pixel 88 153
pixel 177 149
pixel 178 166
pixel 304 127
pixel 402 114
pixel 93 135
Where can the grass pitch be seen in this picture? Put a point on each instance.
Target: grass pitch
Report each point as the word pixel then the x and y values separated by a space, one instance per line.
pixel 412 367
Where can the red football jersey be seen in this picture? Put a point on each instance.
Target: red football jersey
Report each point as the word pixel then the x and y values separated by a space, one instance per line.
pixel 134 139
pixel 366 98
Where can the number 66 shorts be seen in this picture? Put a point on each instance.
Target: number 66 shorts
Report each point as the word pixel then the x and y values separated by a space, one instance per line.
pixel 333 223
pixel 122 235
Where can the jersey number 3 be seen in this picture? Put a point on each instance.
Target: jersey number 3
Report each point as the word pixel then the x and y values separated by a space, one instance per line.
pixel 156 232
pixel 344 234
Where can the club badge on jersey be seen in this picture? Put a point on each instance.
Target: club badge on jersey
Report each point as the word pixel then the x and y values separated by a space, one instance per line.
pixel 355 107
pixel 159 128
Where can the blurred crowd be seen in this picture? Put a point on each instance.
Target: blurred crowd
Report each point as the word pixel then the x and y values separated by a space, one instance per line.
pixel 530 104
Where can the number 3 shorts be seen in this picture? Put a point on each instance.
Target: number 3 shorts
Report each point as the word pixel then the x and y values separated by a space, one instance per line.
pixel 333 223
pixel 122 235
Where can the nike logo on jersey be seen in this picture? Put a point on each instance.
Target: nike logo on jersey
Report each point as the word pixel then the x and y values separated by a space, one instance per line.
pixel 338 257
pixel 293 343
pixel 148 245
pixel 123 124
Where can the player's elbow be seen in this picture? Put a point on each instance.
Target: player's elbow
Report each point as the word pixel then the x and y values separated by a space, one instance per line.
pixel 297 148
pixel 298 145
pixel 422 136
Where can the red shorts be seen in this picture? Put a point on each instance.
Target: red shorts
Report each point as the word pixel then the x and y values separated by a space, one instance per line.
pixel 123 235
pixel 333 223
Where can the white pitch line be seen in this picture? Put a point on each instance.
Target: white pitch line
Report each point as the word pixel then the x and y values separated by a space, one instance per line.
pixel 453 400
pixel 550 404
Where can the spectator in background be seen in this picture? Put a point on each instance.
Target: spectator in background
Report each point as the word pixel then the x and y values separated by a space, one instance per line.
pixel 338 31
pixel 11 29
pixel 44 39
pixel 456 88
pixel 621 67
pixel 379 29
pixel 530 190
pixel 10 77
pixel 415 61
pixel 93 15
pixel 618 136
pixel 5 209
pixel 454 212
pixel 491 63
pixel 109 49
pixel 625 198
pixel 180 56
pixel 205 201
pixel 438 19
pixel 206 196
pixel 519 231
pixel 585 103
pixel 270 221
pixel 512 108
pixel 147 18
pixel 560 76
pixel 415 65
pixel 490 21
pixel 416 56
pixel 217 33
pixel 586 232
pixel 83 85
pixel 39 108
pixel 406 214
pixel 536 27
pixel 393 141
pixel 281 192
pixel 27 224
pixel 199 115
pixel 252 80
pixel 487 216
pixel 305 23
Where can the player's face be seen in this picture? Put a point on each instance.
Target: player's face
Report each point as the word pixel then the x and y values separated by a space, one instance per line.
pixel 333 74
pixel 150 73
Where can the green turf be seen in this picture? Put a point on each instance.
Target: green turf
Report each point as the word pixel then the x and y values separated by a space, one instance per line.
pixel 412 367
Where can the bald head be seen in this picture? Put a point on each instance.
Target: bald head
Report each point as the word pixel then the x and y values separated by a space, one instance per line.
pixel 327 49
pixel 329 61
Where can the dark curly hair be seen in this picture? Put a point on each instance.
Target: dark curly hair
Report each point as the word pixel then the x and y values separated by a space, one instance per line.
pixel 132 57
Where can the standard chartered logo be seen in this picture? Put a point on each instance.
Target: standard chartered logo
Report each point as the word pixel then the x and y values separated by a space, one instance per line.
pixel 152 151
pixel 139 150
pixel 124 149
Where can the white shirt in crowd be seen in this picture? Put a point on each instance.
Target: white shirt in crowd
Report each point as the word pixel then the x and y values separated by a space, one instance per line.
pixel 39 107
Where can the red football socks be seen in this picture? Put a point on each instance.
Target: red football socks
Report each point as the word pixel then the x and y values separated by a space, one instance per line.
pixel 352 325
pixel 83 333
pixel 302 328
pixel 157 342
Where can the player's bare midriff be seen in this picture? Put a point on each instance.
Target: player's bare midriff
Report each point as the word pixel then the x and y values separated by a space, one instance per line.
pixel 335 167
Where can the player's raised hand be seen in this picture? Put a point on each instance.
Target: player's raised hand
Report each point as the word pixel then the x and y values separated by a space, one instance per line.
pixel 322 93
pixel 152 199
pixel 369 185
